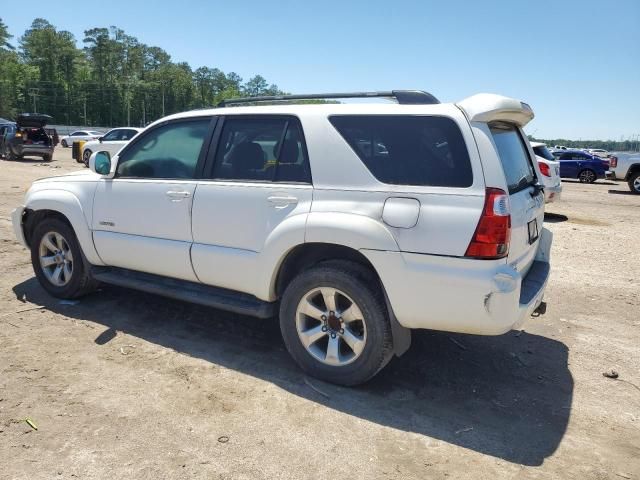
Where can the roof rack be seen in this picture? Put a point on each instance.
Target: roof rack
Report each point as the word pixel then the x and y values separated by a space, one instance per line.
pixel 404 97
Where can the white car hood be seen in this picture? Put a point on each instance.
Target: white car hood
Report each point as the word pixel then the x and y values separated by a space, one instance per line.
pixel 79 175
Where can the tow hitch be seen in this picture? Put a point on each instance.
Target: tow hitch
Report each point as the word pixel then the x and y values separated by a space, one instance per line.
pixel 540 310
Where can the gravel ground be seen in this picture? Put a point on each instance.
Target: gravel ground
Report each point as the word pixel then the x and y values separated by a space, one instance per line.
pixel 131 385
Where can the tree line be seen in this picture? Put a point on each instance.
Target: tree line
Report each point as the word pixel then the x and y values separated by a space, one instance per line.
pixel 113 80
pixel 609 145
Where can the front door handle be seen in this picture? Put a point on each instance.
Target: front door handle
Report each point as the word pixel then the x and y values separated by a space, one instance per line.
pixel 177 195
pixel 282 201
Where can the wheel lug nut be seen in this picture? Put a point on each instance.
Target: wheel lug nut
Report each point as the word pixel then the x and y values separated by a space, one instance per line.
pixel 333 335
pixel 324 328
pixel 341 331
pixel 323 317
pixel 331 313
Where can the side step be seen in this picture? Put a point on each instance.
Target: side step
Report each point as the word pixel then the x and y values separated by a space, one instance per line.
pixel 221 298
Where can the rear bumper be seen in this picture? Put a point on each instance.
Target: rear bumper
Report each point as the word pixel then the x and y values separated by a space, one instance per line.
pixel 31 150
pixel 453 294
pixel 553 194
pixel 16 220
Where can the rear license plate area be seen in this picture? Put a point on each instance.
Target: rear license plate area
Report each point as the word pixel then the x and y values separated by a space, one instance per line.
pixel 532 227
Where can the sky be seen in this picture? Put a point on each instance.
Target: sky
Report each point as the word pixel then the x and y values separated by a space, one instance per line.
pixel 576 62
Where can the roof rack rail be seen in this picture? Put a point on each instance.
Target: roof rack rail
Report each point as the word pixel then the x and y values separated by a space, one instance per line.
pixel 404 97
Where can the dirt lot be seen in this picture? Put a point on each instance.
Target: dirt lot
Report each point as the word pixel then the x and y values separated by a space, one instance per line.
pixel 130 385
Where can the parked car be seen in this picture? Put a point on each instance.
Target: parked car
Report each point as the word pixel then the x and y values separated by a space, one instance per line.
pixel 111 142
pixel 27 137
pixel 80 136
pixel 581 165
pixel 559 147
pixel 626 166
pixel 598 152
pixel 354 222
pixel 550 170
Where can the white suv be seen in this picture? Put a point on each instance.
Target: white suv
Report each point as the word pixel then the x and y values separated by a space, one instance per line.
pixel 353 222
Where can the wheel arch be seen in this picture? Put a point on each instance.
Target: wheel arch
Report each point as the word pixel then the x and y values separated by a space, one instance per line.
pixel 633 168
pixel 306 255
pixel 65 206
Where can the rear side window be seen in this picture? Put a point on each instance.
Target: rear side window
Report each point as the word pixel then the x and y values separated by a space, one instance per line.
pixel 513 156
pixel 263 149
pixel 408 149
pixel 543 151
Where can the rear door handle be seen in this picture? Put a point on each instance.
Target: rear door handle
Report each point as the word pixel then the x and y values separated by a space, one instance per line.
pixel 282 201
pixel 177 195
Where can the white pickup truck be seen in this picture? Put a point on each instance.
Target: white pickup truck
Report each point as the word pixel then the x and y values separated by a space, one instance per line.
pixel 626 166
pixel 354 223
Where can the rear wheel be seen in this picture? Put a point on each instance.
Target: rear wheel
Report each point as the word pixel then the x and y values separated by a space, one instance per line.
pixel 64 143
pixel 634 183
pixel 47 158
pixel 335 324
pixel 57 260
pixel 587 176
pixel 86 156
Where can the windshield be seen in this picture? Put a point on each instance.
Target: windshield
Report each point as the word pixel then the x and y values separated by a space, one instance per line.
pixel 514 157
pixel 543 151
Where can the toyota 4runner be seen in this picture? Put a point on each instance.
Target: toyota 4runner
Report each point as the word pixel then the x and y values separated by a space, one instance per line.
pixel 354 223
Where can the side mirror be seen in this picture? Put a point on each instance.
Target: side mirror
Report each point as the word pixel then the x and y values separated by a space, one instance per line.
pixel 100 139
pixel 100 162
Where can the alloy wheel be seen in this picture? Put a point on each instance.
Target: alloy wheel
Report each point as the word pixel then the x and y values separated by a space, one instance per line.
pixel 331 326
pixel 56 259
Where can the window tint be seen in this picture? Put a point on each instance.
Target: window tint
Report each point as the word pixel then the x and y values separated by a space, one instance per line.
pixel 408 150
pixel 268 149
pixel 513 156
pixel 112 136
pixel 169 151
pixel 127 134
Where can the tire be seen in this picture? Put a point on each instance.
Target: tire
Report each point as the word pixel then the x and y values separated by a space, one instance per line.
pixel 64 144
pixel 10 156
pixel 85 156
pixel 47 158
pixel 351 284
pixel 74 278
pixel 587 176
pixel 634 183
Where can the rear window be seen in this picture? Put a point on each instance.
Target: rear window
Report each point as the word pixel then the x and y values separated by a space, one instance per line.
pixel 408 149
pixel 543 151
pixel 514 157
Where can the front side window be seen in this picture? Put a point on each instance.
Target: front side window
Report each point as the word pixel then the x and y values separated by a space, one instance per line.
pixel 267 149
pixel 127 134
pixel 169 151
pixel 513 156
pixel 408 149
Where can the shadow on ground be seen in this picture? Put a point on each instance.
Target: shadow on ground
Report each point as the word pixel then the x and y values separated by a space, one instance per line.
pixel 622 192
pixel 508 396
pixel 555 217
pixel 597 182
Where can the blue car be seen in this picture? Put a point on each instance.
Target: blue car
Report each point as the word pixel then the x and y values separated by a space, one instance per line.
pixel 581 165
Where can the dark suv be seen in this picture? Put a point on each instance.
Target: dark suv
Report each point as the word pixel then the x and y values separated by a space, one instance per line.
pixel 27 137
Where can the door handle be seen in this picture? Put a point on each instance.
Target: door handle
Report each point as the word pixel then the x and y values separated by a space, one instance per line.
pixel 177 195
pixel 282 201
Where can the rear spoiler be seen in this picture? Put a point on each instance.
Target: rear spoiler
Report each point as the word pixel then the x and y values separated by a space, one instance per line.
pixel 487 107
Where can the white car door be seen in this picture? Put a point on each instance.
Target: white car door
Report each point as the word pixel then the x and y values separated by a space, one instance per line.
pixel 141 217
pixel 255 196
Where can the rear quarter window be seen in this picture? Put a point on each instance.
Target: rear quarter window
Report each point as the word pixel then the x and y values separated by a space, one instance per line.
pixel 514 157
pixel 408 149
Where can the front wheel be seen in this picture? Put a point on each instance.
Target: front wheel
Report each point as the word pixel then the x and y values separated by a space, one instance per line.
pixel 57 260
pixel 587 176
pixel 334 323
pixel 64 143
pixel 86 156
pixel 634 183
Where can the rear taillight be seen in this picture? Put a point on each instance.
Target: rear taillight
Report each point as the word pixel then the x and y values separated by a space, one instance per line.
pixel 544 169
pixel 613 161
pixel 491 238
